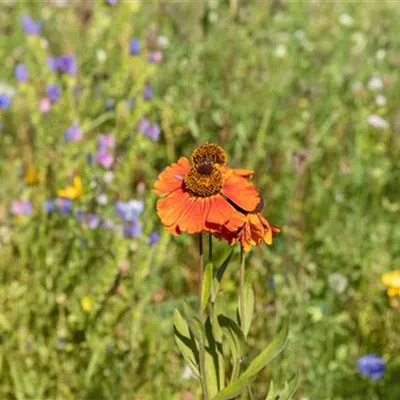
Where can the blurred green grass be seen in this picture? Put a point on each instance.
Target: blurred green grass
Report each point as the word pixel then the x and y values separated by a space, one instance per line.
pixel 285 88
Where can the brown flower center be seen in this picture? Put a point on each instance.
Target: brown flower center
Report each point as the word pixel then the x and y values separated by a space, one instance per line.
pixel 209 154
pixel 203 181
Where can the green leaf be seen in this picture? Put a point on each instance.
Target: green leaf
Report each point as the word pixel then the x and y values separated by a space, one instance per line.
pixel 234 336
pixel 272 350
pixel 195 325
pixel 93 363
pixel 271 392
pixel 185 342
pixel 248 307
pixel 290 388
pixel 216 328
pixel 206 285
pixel 211 362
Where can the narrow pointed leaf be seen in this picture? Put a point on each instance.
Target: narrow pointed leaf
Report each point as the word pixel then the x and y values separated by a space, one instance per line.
pixel 234 336
pixel 185 342
pixel 248 307
pixel 290 388
pixel 271 392
pixel 206 285
pixel 272 350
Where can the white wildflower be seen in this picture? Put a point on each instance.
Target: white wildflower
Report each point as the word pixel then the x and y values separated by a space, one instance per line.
pixel 337 282
pixel 377 122
pixel 346 20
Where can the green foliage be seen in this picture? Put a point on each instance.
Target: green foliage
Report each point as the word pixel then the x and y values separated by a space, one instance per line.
pixel 285 87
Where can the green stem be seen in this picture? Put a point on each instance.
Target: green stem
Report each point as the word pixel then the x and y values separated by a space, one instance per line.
pixel 202 352
pixel 241 293
pixel 210 247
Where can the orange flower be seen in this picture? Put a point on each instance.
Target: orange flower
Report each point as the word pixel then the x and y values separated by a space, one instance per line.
pixel 205 195
pixel 254 231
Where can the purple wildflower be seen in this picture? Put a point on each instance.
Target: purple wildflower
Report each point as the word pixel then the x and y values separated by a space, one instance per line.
pixel 73 134
pixel 134 47
pixel 132 229
pixel 80 215
pixel 153 132
pixel 144 125
pixel 48 206
pixel 148 92
pixel 129 210
pixel 67 64
pixel 52 62
pixel 105 142
pixel 21 73
pixel 19 207
pixel 155 57
pixel 5 101
pixel 111 2
pixel 53 92
pixel 104 158
pixel 30 26
pixel 154 238
pixel 63 205
pixel 44 105
pixel 93 221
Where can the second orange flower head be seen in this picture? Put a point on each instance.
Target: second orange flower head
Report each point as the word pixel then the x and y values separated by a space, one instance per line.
pixel 204 194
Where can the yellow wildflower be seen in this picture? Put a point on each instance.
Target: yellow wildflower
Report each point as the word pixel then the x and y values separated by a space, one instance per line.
pixel 392 281
pixel 74 191
pixel 32 175
pixel 87 304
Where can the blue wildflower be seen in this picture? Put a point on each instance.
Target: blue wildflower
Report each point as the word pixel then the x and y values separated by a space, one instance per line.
pixel 52 62
pixel 129 210
pixel 48 206
pixel 53 92
pixel 154 238
pixel 63 205
pixel 5 101
pixel 67 64
pixel 153 132
pixel 148 92
pixel 132 229
pixel 73 133
pixel 80 215
pixel 372 366
pixel 150 130
pixel 30 26
pixel 93 221
pixel 110 104
pixel 21 73
pixel 134 47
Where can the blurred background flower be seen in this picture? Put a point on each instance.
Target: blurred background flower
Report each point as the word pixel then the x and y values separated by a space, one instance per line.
pixel 371 366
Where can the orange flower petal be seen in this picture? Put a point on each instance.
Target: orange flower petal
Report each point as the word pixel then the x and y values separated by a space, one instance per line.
pixel 193 220
pixel 241 192
pixel 171 207
pixel 172 177
pixel 222 213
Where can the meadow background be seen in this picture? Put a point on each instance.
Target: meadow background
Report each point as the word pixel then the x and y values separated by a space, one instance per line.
pixel 305 93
